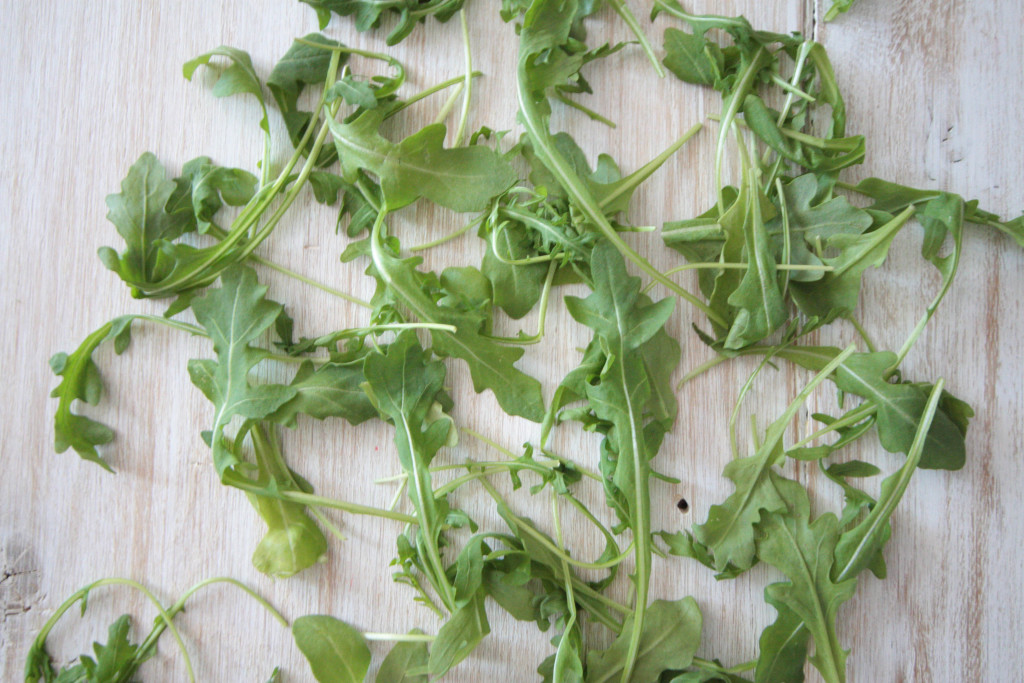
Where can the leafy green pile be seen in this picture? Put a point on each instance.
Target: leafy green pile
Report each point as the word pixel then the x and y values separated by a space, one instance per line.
pixel 780 254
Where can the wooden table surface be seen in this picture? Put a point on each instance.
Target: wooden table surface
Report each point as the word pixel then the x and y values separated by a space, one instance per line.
pixel 86 87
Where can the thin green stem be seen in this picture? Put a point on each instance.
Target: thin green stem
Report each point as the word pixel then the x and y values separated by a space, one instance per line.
pixel 712 666
pixel 701 369
pixel 630 182
pixel 468 88
pixel 585 110
pixel 423 94
pixel 450 236
pixel 627 16
pixel 355 508
pixel 853 417
pixel 862 332
pixel 309 281
pixel 449 104
pixel 786 241
pixel 496 232
pixel 744 390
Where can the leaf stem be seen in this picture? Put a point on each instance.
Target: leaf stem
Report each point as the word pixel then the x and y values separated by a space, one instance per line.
pixel 853 417
pixel 468 87
pixel 627 16
pixel 450 236
pixel 585 110
pixel 312 283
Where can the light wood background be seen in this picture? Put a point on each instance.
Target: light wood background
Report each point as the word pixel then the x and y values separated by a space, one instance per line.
pixel 85 88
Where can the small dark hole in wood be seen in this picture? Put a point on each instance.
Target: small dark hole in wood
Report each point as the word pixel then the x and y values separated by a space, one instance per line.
pixel 683 505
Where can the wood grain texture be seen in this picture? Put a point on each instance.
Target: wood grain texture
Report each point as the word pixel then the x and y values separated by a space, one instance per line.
pixel 87 87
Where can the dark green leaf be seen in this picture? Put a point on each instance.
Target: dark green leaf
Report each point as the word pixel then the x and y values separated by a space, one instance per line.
pixel 80 380
pixel 670 638
pixel 235 316
pixel 462 179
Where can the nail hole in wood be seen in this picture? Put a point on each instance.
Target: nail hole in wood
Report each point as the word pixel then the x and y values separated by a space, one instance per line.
pixel 683 505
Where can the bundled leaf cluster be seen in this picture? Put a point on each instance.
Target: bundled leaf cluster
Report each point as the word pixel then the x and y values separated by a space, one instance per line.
pixel 780 254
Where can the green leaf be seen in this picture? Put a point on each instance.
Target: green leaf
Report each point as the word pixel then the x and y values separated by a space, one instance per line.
pixel 234 316
pixel 80 380
pixel 491 365
pixel 782 649
pixel 357 93
pixel 758 297
pixel 301 65
pixel 332 390
pixel 293 541
pixel 405 663
pixel 404 385
pixel 670 638
pixel 239 78
pixel 138 212
pixel 814 217
pixel 838 291
pixel 336 652
pixel 804 552
pixel 693 58
pixel 368 13
pixel 729 529
pixel 858 547
pixel 461 179
pixel 516 288
pixel 623 320
pixel 113 662
pixel 899 406
pixel 459 636
pixel 469 567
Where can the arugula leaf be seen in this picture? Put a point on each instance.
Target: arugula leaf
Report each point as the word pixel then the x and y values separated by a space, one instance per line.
pixel 729 529
pixel 332 390
pixel 461 179
pixel 234 316
pixel 368 13
pixel 491 366
pixel 814 216
pixel 404 385
pixel 293 541
pixel 459 636
pixel 302 65
pixel 80 380
pixel 547 58
pixel 839 289
pixel 623 322
pixel 758 297
pixel 239 78
pixel 336 652
pixel 670 638
pixel 899 406
pixel 405 663
pixel 115 662
pixel 804 552
pixel 516 287
pixel 139 214
pixel 693 58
